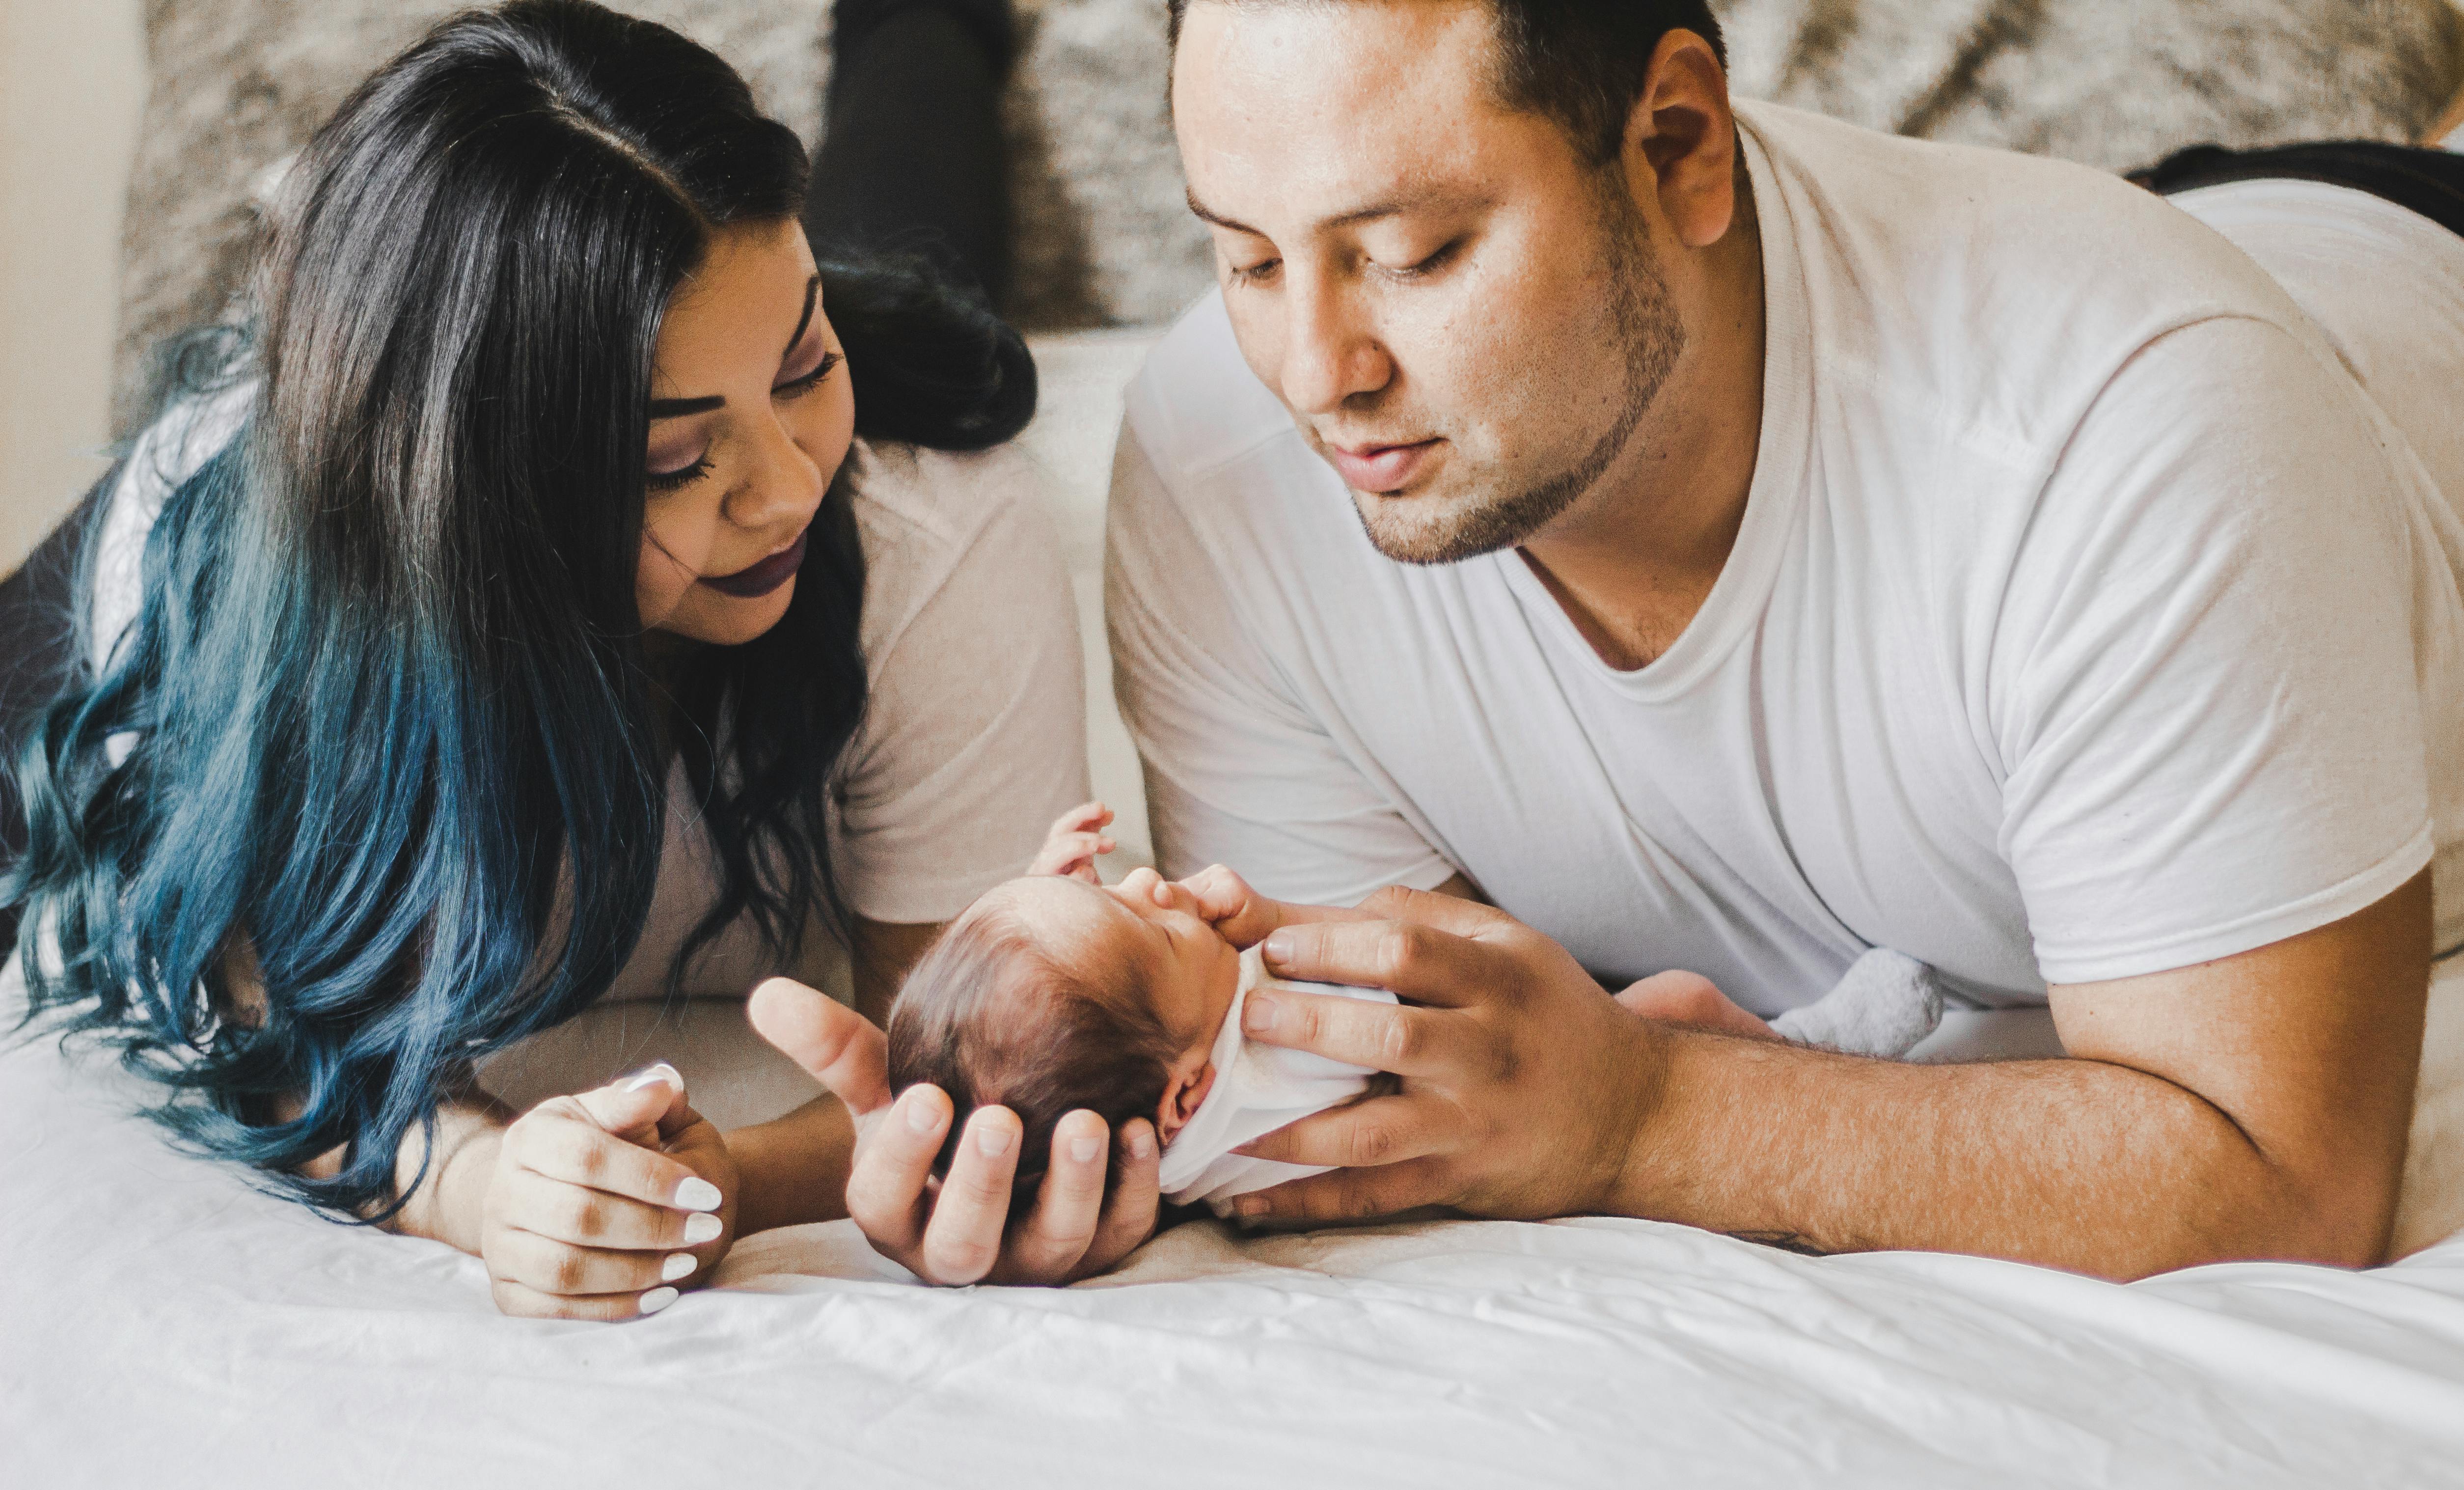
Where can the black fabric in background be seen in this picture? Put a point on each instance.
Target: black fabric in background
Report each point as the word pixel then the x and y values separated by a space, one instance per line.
pixel 912 158
pixel 37 655
pixel 2424 181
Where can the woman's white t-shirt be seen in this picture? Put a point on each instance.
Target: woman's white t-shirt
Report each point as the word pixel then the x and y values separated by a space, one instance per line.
pixel 974 735
pixel 2088 618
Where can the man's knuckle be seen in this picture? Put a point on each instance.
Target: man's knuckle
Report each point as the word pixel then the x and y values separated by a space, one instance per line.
pixel 1373 1143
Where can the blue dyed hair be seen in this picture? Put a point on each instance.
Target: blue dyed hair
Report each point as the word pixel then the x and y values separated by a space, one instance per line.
pixel 381 740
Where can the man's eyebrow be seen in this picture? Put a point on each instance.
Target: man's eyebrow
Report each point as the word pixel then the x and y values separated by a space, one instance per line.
pixel 1390 207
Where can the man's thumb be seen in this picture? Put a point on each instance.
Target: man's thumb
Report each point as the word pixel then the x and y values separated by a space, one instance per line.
pixel 837 1046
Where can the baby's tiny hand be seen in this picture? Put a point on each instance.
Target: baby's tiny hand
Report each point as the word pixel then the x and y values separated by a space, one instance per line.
pixel 1075 843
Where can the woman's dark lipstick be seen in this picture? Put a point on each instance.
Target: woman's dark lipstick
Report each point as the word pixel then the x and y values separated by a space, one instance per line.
pixel 746 584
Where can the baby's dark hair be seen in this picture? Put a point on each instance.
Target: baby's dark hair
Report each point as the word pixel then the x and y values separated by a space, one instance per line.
pixel 990 1017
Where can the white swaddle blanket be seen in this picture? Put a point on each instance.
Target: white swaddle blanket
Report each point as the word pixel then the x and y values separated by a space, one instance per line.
pixel 1258 1089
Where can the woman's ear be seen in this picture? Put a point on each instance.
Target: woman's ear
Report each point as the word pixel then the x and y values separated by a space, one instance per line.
pixel 1182 1096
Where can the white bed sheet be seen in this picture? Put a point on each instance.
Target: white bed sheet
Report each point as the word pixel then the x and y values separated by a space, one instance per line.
pixel 160 1322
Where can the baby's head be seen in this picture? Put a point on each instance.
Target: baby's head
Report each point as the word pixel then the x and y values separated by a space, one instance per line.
pixel 1049 995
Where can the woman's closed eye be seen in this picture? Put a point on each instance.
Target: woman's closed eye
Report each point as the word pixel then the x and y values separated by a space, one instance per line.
pixel 679 477
pixel 798 387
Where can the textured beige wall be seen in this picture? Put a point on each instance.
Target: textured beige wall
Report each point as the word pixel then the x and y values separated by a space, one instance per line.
pixel 72 82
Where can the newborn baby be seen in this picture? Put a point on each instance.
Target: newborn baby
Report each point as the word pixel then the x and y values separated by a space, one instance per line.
pixel 1054 993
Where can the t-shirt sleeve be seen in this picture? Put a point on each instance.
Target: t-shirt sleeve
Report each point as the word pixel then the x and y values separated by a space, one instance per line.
pixel 974 738
pixel 1238 772
pixel 169 451
pixel 2205 694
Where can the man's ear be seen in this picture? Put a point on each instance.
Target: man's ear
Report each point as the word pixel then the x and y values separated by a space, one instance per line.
pixel 1681 140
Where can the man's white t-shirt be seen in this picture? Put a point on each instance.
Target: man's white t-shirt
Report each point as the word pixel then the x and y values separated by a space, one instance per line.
pixel 2087 620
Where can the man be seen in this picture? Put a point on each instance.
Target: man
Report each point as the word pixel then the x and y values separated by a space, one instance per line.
pixel 1725 540
pixel 1765 540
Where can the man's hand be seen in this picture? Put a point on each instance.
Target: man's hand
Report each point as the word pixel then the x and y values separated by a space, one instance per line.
pixel 957 1230
pixel 1523 1086
pixel 2251 1107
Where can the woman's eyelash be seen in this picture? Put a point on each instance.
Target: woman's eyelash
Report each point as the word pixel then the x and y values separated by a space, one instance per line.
pixel 678 480
pixel 828 364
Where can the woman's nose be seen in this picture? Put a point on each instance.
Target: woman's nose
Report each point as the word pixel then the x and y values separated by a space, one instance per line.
pixel 784 484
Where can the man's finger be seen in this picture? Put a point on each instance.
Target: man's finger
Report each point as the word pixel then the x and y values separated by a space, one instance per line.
pixel 1423 964
pixel 1440 911
pixel 893 1164
pixel 1244 917
pixel 1129 1217
pixel 1395 1037
pixel 1056 1233
pixel 1349 1194
pixel 962 1241
pixel 837 1046
pixel 1391 1130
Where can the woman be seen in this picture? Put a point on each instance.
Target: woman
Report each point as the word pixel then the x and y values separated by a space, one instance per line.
pixel 531 613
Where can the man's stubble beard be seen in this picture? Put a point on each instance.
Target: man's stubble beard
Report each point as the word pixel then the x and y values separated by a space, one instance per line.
pixel 1654 337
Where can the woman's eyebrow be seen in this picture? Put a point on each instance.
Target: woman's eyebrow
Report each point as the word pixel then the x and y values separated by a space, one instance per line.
pixel 678 408
pixel 812 295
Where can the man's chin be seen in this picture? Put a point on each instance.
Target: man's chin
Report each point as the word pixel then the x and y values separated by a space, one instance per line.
pixel 1430 528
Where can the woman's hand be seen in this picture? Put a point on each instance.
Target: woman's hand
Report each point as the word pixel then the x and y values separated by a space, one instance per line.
pixel 957 1230
pixel 602 1205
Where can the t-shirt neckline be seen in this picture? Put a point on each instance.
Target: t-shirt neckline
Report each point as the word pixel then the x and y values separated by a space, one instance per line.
pixel 1772 501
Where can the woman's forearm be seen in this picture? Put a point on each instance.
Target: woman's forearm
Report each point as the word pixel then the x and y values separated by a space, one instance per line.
pixel 450 1201
pixel 793 1170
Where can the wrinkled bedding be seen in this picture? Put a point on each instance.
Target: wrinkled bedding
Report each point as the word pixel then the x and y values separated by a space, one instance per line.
pixel 160 1322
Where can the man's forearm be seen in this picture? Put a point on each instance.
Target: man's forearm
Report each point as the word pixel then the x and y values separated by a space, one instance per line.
pixel 2074 1164
pixel 793 1170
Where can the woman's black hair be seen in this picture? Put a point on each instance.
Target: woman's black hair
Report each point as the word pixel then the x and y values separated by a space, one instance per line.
pixel 382 741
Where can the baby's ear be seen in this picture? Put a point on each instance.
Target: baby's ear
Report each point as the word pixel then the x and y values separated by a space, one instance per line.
pixel 1182 1096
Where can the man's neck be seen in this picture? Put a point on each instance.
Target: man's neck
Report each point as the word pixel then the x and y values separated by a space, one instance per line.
pixel 1632 562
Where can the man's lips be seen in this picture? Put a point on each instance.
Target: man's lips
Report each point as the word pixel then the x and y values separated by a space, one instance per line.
pixel 762 578
pixel 1381 467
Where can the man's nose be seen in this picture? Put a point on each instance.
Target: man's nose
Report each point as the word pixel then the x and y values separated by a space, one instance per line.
pixel 1330 355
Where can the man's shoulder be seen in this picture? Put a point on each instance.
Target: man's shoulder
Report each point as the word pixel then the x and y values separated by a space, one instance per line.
pixel 1988 295
pixel 1195 406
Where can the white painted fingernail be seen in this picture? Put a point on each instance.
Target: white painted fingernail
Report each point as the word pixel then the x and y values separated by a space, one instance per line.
pixel 680 1264
pixel 698 1194
pixel 992 1140
pixel 701 1226
pixel 659 1075
pixel 1084 1150
pixel 657 1298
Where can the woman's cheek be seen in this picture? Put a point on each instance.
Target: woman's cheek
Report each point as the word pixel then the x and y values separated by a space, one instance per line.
pixel 659 584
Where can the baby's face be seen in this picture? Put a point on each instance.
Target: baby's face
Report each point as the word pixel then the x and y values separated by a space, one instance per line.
pixel 1190 972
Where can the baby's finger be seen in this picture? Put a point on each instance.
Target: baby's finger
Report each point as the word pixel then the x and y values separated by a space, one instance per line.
pixel 525 1303
pixel 1079 819
pixel 578 1153
pixel 563 1212
pixel 561 1268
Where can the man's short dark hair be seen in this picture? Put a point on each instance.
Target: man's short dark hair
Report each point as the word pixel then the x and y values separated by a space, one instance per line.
pixel 1581 62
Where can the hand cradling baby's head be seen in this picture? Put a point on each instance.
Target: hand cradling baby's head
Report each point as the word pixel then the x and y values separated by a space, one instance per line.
pixel 1036 998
